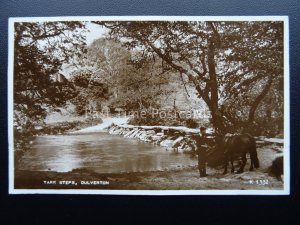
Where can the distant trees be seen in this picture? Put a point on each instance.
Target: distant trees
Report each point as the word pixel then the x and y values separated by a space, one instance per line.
pixel 232 65
pixel 40 48
pixel 90 91
pixel 133 82
pixel 145 85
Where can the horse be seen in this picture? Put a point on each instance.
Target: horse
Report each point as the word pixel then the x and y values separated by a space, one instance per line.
pixel 240 145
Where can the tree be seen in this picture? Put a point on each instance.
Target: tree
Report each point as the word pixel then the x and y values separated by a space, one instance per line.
pixel 222 60
pixel 145 84
pixel 40 48
pixel 90 91
pixel 257 56
pixel 135 82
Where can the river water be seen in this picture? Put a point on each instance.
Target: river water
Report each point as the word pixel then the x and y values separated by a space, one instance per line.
pixel 99 152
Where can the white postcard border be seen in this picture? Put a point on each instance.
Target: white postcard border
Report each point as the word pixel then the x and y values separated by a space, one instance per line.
pixel 286 189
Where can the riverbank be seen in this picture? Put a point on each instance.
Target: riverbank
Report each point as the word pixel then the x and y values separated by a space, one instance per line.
pixel 181 178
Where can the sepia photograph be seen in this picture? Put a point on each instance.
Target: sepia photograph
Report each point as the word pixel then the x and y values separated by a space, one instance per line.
pixel 149 105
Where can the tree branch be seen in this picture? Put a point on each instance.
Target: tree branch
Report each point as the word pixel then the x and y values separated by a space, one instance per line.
pixel 258 99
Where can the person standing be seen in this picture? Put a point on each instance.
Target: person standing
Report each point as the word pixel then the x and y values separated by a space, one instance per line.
pixel 201 144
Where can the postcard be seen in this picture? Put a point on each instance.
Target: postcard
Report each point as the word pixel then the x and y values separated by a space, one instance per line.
pixel 149 105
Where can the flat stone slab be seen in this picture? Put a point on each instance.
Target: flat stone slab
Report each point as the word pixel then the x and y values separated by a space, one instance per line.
pixel 274 140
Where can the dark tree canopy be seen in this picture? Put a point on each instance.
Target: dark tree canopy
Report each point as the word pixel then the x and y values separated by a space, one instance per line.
pixel 40 50
pixel 90 91
pixel 232 65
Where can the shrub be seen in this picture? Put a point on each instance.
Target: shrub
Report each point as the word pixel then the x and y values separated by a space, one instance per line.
pixel 148 121
pixel 191 123
pixel 155 120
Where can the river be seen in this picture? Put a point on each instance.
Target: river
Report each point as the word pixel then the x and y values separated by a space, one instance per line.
pixel 99 152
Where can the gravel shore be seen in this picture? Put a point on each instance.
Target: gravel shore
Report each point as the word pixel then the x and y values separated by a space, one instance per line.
pixel 185 178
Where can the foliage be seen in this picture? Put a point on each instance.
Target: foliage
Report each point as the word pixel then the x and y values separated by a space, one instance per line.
pixel 191 123
pixel 40 49
pixel 147 121
pixel 154 119
pixel 134 82
pixel 143 87
pixel 91 91
pixel 232 65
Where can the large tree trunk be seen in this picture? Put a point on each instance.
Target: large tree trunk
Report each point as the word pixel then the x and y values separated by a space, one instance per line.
pixel 217 118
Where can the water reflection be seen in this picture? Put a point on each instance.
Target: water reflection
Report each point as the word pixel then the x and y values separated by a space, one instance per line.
pixel 100 152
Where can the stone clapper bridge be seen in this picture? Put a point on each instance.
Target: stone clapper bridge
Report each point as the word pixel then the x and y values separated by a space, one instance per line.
pixel 177 138
pixel 172 138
